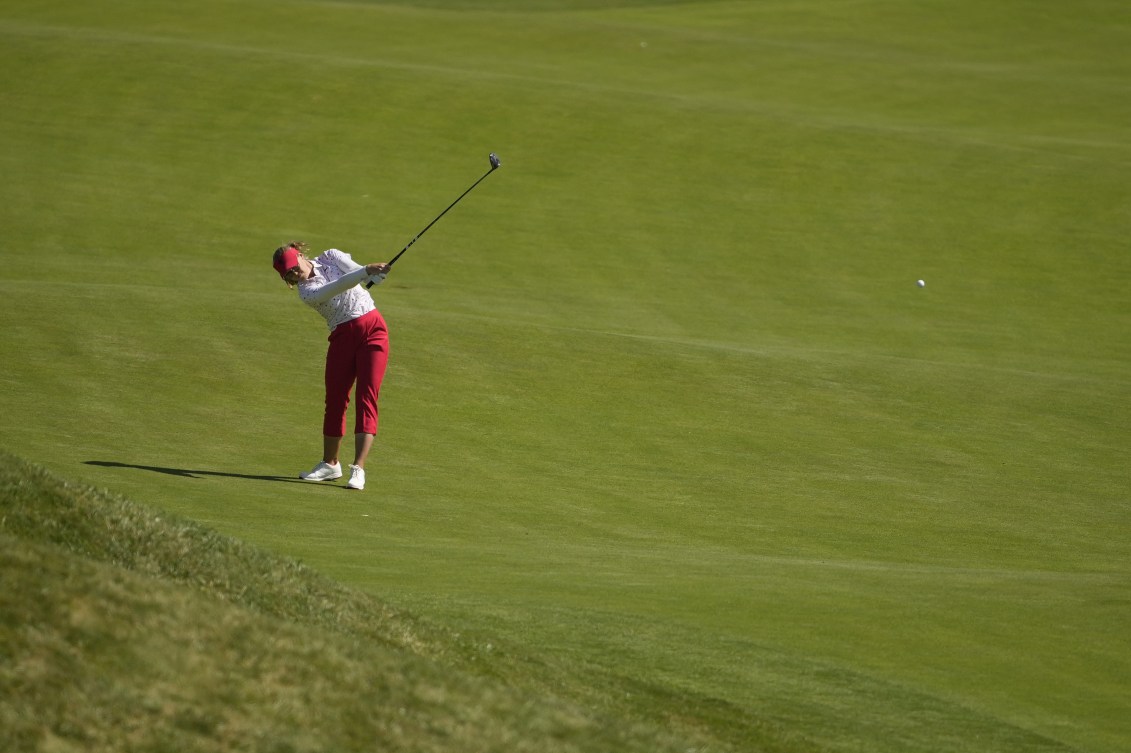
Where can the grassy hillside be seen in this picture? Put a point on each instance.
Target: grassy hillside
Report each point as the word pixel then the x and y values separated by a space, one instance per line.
pixel 126 629
pixel 665 402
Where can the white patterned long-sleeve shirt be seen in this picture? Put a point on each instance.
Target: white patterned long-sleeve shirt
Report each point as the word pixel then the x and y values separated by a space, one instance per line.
pixel 334 289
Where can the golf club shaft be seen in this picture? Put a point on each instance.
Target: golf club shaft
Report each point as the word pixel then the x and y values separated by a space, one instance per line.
pixel 494 164
pixel 441 214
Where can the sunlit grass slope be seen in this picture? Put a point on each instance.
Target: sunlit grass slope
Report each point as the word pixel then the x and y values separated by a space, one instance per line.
pixel 122 628
pixel 665 401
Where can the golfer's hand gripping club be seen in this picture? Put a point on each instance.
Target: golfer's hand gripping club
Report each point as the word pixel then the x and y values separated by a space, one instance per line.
pixel 376 273
pixel 493 158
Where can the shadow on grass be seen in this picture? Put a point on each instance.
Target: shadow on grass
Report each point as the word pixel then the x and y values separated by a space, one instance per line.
pixel 186 473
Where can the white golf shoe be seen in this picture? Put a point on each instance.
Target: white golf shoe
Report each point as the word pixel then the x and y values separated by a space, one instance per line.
pixel 323 472
pixel 357 477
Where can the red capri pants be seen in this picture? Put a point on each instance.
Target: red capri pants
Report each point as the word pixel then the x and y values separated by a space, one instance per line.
pixel 359 351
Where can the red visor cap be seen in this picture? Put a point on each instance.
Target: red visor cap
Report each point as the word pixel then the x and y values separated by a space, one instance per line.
pixel 286 260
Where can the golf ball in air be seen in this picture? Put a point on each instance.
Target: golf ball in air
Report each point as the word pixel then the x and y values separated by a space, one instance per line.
pixel 920 283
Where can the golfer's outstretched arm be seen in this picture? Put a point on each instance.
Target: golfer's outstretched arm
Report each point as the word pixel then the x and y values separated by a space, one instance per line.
pixel 323 293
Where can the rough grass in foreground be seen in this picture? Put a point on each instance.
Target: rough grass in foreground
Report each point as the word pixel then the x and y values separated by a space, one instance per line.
pixel 126 629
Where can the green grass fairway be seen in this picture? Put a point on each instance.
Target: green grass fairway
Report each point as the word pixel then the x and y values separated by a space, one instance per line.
pixel 665 402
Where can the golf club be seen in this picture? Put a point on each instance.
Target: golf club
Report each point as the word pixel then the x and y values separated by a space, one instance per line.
pixel 494 165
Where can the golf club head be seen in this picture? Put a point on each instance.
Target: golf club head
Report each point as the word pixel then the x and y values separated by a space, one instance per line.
pixel 494 160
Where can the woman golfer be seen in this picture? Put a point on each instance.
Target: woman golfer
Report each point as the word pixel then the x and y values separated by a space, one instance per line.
pixel 358 352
